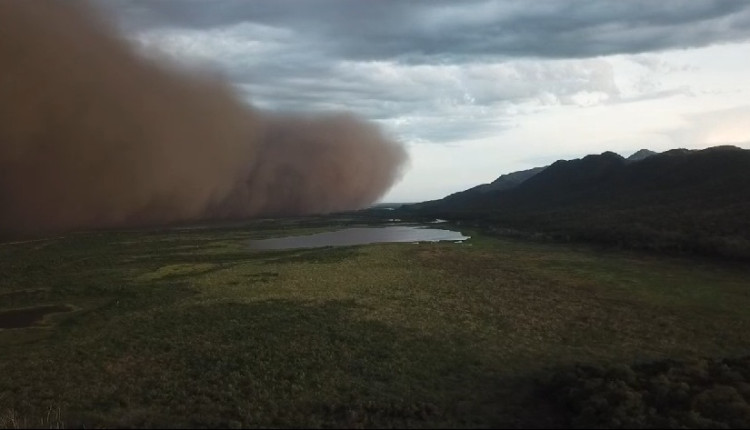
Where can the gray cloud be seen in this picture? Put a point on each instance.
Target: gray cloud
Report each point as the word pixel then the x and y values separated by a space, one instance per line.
pixel 435 31
pixel 430 70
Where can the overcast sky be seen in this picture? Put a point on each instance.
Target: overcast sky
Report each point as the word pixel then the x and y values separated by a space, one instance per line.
pixel 476 89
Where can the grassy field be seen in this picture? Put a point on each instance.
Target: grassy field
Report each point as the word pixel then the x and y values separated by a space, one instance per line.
pixel 188 328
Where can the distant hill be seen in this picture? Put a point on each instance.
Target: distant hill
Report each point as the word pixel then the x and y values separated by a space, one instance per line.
pixel 510 180
pixel 640 155
pixel 387 206
pixel 684 200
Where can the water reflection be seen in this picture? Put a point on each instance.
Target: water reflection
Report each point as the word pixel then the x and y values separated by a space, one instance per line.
pixel 359 236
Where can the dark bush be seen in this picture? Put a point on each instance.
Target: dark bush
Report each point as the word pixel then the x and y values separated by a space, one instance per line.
pixel 662 394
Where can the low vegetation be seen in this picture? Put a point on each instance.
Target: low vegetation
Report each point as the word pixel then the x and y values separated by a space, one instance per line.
pixel 187 327
pixel 699 393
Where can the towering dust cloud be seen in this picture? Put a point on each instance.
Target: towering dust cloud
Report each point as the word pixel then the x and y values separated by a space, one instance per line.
pixel 94 135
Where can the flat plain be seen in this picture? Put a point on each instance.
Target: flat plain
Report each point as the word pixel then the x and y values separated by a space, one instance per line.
pixel 188 327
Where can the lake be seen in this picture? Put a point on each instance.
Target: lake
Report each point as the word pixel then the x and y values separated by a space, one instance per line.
pixel 359 236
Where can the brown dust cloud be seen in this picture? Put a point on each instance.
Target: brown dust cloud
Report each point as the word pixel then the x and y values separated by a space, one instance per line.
pixel 95 135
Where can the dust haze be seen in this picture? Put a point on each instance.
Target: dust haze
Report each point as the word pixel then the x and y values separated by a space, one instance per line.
pixel 92 134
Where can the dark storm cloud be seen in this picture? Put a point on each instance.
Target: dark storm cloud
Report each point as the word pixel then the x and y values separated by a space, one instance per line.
pixel 430 70
pixel 438 31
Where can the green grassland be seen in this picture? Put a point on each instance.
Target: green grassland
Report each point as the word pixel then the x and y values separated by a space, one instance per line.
pixel 187 327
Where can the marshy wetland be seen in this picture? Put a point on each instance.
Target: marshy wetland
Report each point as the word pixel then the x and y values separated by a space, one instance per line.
pixel 189 327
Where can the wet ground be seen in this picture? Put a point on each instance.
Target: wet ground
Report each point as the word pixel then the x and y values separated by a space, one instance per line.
pixel 18 318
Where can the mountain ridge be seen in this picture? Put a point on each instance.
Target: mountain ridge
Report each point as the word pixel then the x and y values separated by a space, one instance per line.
pixel 513 179
pixel 689 200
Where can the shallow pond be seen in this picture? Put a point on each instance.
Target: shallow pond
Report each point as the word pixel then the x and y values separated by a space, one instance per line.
pixel 359 236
